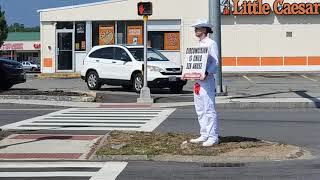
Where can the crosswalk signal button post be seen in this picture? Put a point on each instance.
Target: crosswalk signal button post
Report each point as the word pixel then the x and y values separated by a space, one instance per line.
pixel 144 8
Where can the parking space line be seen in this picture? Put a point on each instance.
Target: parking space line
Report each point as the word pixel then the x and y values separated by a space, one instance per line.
pixel 246 77
pixel 306 77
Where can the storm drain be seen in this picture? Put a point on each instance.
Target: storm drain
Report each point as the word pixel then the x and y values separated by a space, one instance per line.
pixel 224 165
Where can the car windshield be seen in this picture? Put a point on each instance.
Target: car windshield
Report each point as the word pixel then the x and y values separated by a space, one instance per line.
pixel 153 55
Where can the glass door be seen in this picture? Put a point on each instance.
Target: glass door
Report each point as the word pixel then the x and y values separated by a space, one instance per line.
pixel 65 51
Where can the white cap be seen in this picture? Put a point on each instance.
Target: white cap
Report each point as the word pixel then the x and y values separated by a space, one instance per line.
pixel 202 23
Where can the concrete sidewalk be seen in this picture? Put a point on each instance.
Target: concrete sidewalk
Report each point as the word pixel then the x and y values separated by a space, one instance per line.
pixel 35 147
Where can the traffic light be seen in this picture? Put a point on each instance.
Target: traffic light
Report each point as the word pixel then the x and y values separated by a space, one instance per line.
pixel 144 8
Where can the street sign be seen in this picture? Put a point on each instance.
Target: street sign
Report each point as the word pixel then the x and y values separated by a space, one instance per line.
pixel 144 8
pixel 195 63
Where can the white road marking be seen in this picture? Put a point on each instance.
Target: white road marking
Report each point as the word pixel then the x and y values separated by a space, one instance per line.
pixel 98 119
pixel 304 76
pixel 110 171
pixel 105 170
pixel 47 174
pixel 51 164
pixel 247 78
pixel 30 109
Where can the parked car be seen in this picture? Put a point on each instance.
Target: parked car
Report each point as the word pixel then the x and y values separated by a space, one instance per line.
pixel 121 65
pixel 30 66
pixel 11 73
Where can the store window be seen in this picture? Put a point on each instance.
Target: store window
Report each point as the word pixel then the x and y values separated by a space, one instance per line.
pixel 164 40
pixel 103 33
pixel 80 36
pixel 65 25
pixel 135 32
pixel 121 32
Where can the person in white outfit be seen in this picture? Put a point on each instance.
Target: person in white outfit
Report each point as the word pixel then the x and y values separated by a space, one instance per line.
pixel 204 95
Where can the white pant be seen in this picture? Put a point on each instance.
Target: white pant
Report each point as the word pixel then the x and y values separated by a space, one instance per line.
pixel 205 108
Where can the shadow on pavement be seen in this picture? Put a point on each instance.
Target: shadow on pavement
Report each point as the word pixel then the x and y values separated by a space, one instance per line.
pixel 305 95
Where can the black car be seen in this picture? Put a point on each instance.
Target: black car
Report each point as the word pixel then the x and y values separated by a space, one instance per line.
pixel 11 73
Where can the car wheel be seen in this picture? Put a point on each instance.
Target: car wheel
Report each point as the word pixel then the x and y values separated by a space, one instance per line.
pixel 6 86
pixel 137 82
pixel 33 69
pixel 93 80
pixel 176 89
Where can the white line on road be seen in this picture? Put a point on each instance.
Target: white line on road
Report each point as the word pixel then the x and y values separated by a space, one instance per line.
pixel 110 171
pixel 66 119
pixel 47 174
pixel 51 164
pixel 106 170
pixel 246 77
pixel 304 76
pixel 35 109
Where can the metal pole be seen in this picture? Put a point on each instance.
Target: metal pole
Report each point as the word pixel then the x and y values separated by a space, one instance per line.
pixel 145 95
pixel 145 49
pixel 215 20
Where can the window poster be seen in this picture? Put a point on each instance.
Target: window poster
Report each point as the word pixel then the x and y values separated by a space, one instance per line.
pixel 106 34
pixel 172 41
pixel 135 35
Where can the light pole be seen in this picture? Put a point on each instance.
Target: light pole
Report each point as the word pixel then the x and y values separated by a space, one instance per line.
pixel 215 20
pixel 145 95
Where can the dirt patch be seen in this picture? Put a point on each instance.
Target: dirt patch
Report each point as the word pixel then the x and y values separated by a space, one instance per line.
pixel 37 92
pixel 145 143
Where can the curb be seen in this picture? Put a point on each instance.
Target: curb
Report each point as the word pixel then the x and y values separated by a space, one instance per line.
pixel 248 105
pixel 268 105
pixel 49 98
pixel 59 76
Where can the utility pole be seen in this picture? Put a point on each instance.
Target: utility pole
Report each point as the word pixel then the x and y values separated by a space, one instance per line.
pixel 215 20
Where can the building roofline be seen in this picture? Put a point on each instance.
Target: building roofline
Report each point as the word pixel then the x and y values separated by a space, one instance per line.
pixel 79 6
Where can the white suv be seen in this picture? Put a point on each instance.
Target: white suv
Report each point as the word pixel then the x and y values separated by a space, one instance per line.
pixel 120 65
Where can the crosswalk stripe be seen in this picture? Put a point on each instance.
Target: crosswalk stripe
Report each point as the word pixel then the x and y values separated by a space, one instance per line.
pixel 104 171
pixel 95 119
pixel 83 124
pixel 46 174
pixel 109 172
pixel 50 165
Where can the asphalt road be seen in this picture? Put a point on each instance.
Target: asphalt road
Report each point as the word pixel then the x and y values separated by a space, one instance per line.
pixel 295 126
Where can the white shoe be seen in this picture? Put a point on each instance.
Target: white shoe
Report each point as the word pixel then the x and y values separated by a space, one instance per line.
pixel 198 140
pixel 210 143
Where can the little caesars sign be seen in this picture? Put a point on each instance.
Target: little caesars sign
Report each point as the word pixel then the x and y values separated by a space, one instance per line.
pixel 259 7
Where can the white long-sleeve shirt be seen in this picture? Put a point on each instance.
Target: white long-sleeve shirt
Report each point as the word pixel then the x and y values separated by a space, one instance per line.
pixel 213 62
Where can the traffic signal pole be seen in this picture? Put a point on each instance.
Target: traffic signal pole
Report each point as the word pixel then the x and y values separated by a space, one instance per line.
pixel 145 95
pixel 215 20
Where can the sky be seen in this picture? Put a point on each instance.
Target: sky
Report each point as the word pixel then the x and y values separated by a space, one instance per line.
pixel 25 11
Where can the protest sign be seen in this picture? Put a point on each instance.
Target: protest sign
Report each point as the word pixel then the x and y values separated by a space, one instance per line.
pixel 195 63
